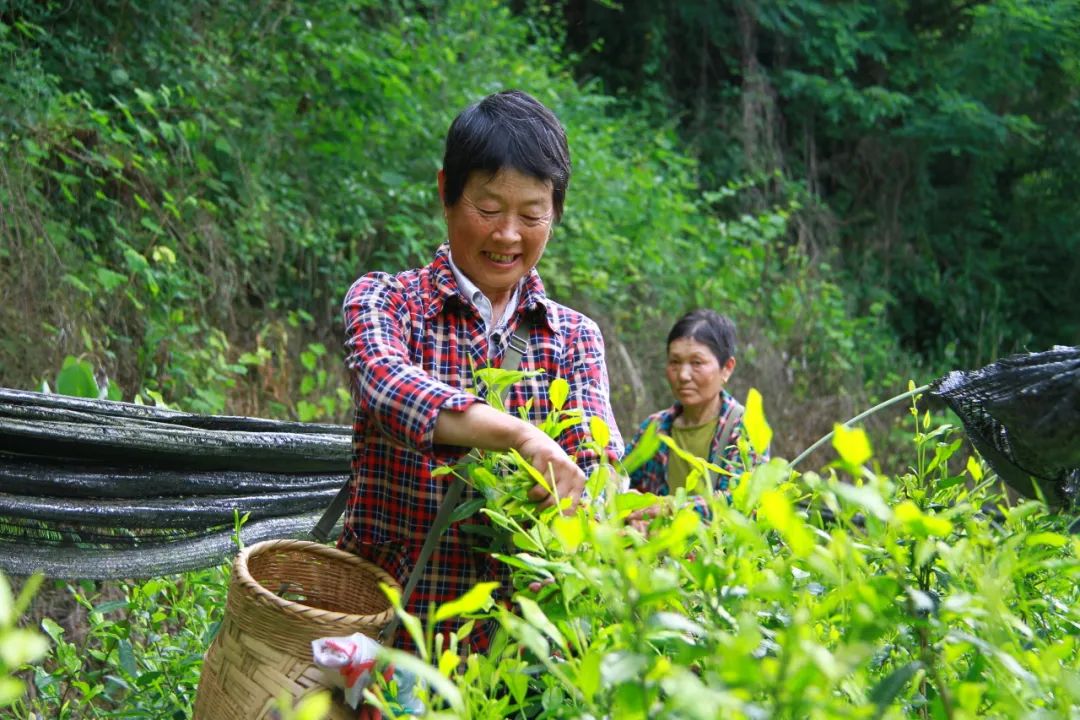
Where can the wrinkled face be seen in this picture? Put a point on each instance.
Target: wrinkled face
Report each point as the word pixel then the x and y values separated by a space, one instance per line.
pixel 498 228
pixel 695 375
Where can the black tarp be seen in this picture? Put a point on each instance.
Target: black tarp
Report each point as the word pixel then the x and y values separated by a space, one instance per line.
pixel 1022 414
pixel 98 489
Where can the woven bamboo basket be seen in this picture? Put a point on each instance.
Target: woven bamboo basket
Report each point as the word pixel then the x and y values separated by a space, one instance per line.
pixel 263 647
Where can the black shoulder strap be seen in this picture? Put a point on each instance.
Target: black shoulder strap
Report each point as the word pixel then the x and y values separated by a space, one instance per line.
pixel 518 346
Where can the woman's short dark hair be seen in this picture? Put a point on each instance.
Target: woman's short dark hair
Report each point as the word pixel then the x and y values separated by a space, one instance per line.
pixel 708 327
pixel 510 129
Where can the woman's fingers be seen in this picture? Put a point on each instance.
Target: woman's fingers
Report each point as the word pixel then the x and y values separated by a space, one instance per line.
pixel 562 473
pixel 570 484
pixel 649 512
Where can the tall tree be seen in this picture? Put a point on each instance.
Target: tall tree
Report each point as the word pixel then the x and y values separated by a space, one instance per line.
pixel 932 145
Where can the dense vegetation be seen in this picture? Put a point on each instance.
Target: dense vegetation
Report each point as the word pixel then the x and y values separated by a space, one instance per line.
pixel 933 145
pixel 188 189
pixel 895 596
pixel 874 190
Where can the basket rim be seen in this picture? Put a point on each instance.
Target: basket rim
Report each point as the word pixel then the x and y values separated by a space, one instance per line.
pixel 243 576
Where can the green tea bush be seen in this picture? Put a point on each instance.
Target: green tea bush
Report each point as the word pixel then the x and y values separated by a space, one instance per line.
pixel 847 593
pixel 844 594
pixel 140 655
pixel 18 645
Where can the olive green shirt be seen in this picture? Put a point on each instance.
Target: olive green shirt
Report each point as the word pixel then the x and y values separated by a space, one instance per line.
pixel 696 440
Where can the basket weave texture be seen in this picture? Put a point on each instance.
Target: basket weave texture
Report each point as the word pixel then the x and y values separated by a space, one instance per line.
pixel 263 647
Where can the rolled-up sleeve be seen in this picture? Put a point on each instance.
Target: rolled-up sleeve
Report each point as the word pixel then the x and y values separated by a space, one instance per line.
pixel 393 392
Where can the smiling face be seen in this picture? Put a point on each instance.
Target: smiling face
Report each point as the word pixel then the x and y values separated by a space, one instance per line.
pixel 696 375
pixel 498 229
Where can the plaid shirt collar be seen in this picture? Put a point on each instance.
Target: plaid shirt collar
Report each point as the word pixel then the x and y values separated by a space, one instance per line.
pixel 531 296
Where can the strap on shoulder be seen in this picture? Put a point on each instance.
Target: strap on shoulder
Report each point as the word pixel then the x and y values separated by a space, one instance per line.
pixel 731 423
pixel 518 346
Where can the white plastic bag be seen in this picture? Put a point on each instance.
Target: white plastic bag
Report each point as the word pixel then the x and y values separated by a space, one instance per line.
pixel 349 663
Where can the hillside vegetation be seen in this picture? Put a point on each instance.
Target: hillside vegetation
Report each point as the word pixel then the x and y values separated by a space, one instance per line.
pixel 875 190
pixel 187 189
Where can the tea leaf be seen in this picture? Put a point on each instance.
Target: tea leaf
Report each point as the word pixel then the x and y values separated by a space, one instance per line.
pixel 589 674
pixel 518 682
pixel 642 452
pixel 598 480
pixel 866 497
pixel 748 492
pixel 915 521
pixel 526 634
pixel 1047 538
pixel 475 599
pixel 11 689
pixel 391 593
pixel 757 428
pixel 677 622
pixel 974 468
pixel 315 706
pixel 569 531
pixel 428 675
pixel 448 662
pixel 950 482
pixel 559 392
pixel 525 541
pixel 18 646
pixel 852 444
pixel 535 474
pixel 890 686
pixel 599 430
pixel 622 666
pixel 674 536
pixel 536 617
pixel 467 509
pixel 776 510
pixel 76 378
pixel 626 503
pixel 53 630
pixel 127 658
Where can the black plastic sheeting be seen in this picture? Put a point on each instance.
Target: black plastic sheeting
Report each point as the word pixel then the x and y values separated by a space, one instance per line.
pixel 141 442
pixel 1022 414
pixel 102 490
pixel 72 479
pixel 144 561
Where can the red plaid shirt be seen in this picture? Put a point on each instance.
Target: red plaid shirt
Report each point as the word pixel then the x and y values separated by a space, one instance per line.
pixel 412 341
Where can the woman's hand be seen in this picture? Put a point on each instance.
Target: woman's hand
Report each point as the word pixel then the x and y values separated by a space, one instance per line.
pixel 551 460
pixel 641 518
pixel 481 426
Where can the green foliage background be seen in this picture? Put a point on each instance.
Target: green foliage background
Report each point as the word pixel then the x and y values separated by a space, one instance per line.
pixel 933 145
pixel 188 188
pixel 874 190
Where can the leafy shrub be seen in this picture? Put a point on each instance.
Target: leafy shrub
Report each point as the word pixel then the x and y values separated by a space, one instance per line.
pixel 845 593
pixel 922 594
pixel 142 652
pixel 18 646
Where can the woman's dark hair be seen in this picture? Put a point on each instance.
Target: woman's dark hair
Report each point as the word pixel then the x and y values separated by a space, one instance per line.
pixel 708 327
pixel 510 129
